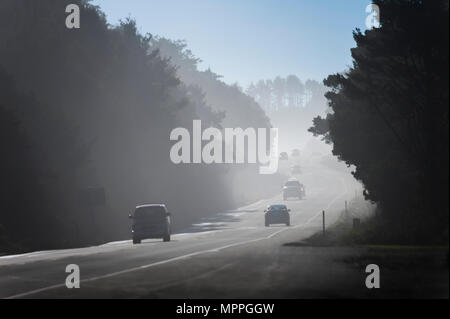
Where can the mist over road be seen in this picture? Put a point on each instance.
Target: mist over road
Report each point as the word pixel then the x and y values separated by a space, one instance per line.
pixel 231 254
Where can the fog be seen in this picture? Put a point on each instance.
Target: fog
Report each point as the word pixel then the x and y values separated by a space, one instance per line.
pixel 87 126
pixel 125 157
pixel 94 116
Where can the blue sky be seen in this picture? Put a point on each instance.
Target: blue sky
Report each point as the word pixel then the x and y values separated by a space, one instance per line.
pixel 248 40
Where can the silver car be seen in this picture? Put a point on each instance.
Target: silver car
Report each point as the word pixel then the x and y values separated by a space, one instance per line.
pixel 293 188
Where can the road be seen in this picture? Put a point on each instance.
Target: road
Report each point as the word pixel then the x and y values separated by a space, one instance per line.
pixel 228 255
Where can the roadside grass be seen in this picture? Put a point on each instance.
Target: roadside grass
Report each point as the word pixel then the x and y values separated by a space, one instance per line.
pixel 409 270
pixel 371 230
pixel 370 233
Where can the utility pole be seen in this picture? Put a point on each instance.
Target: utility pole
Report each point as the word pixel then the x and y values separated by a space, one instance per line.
pixel 323 222
pixel 346 211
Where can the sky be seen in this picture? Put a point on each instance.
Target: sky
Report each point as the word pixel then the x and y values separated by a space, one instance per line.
pixel 248 40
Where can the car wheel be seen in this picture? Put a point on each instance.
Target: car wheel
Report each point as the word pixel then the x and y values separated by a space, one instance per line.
pixel 136 241
pixel 166 237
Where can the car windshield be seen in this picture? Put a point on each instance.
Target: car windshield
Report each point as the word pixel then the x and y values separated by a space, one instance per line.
pixel 277 207
pixel 293 183
pixel 150 213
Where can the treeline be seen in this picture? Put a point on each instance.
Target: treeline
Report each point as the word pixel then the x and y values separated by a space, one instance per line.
pixel 290 92
pixel 88 112
pixel 237 108
pixel 291 104
pixel 390 119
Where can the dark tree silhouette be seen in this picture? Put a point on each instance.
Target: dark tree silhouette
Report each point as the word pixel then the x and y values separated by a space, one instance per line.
pixel 390 117
pixel 93 108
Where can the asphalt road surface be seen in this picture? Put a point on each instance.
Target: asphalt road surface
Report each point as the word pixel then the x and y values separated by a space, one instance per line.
pixel 228 255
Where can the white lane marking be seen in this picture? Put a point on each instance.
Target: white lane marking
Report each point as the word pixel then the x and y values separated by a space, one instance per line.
pixel 125 271
pixel 121 242
pixel 162 262
pixel 85 251
pixel 113 243
pixel 33 254
pixel 62 253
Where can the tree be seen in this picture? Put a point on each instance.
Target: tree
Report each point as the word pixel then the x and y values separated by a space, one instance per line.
pixel 238 108
pixel 94 107
pixel 279 91
pixel 295 91
pixel 390 117
pixel 315 95
pixel 264 92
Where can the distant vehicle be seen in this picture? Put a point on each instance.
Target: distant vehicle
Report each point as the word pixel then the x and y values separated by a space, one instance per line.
pixel 295 152
pixel 277 214
pixel 293 188
pixel 150 221
pixel 296 169
pixel 284 156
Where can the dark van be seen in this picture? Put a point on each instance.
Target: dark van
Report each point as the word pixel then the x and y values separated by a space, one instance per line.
pixel 150 221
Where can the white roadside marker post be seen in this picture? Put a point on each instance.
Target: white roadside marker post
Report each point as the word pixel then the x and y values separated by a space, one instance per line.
pixel 323 222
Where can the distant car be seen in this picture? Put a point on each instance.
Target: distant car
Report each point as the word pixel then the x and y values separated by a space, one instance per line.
pixel 277 214
pixel 293 188
pixel 295 153
pixel 150 221
pixel 296 169
pixel 284 156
